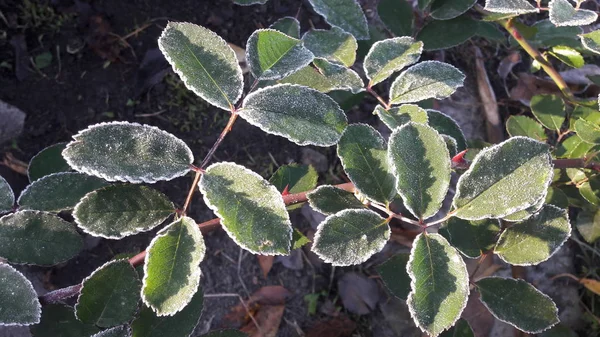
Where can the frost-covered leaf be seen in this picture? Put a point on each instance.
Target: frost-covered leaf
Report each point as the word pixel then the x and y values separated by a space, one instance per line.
pixel 471 238
pixel 345 14
pixel 58 320
pixel 204 61
pixel 47 161
pixel 421 163
pixel 591 41
pixel 251 210
pixel 439 283
pixel 398 116
pixel 573 147
pixel 509 6
pixel 119 331
pixel 389 56
pixel 350 237
pixel 504 179
pixel 273 55
pixel 518 303
pixel 568 56
pixel 182 324
pixel 299 239
pixel 326 77
pixel 590 190
pixel 329 199
pixel 557 198
pixel 122 151
pixel 588 132
pixel 429 79
pixel 300 114
pixel 363 153
pixel 58 191
pixel 549 110
pixel 536 239
pixel 397 15
pixel 7 197
pixel 334 45
pixel 117 211
pixel 295 179
pixel 562 13
pixel 525 126
pixel 394 275
pixel 451 145
pixel 449 9
pixel 110 295
pixel 250 2
pixel 288 25
pixel 526 213
pixel 588 225
pixel 446 125
pixel 179 249
pixel 444 34
pixel 31 237
pixel 460 329
pixel 19 304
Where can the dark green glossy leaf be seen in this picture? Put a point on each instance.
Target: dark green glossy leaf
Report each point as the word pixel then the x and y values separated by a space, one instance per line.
pixel 19 304
pixel 549 110
pixel 591 41
pixel 7 196
pixel 394 275
pixel 58 320
pixel 588 225
pixel 590 190
pixel 557 198
pixel 573 147
pixel 288 25
pixel 328 199
pixel 346 14
pixel 398 116
pixel 334 45
pixel 446 125
pixel 471 238
pixel 525 126
pixel 299 239
pixel 429 79
pixel 397 15
pixel 47 161
pixel 562 13
pixel 447 33
pixel 389 56
pixel 449 9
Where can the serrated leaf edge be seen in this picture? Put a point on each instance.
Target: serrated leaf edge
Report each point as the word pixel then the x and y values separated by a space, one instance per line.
pixel 582 38
pixel 509 10
pixel 395 39
pixel 36 155
pixel 363 17
pixel 574 23
pixel 39 306
pixel 12 193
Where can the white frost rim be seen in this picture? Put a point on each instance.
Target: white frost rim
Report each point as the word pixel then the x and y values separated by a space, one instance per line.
pixel 367 62
pixel 27 282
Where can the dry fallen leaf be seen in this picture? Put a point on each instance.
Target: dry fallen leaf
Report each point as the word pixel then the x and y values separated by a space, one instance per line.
pixel 508 63
pixel 241 314
pixel 268 318
pixel 358 293
pixel 494 126
pixel 266 263
pixel 14 164
pixel 337 327
pixel 240 54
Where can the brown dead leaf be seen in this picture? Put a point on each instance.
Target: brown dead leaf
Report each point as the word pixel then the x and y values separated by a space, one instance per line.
pixel 101 39
pixel 266 263
pixel 240 54
pixel 338 327
pixel 14 164
pixel 242 313
pixel 404 237
pixel 529 85
pixel 268 318
pixel 508 63
pixel 494 126
pixel 358 293
pixel 591 284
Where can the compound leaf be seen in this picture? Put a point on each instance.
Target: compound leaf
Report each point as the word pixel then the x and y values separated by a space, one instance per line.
pixel 439 283
pixel 251 210
pixel 172 267
pixel 47 161
pixel 518 303
pixel 119 331
pixel 19 304
pixel 394 275
pixel 288 25
pixel 591 41
pixel 31 237
pixel 345 14
pixel 117 211
pixel 389 56
pixel 446 125
pixel 588 225
pixel 123 151
pixel 7 196
pixel 549 110
pixel 110 295
pixel 398 116
pixel 509 6
pixel 350 237
pixel 334 45
pixel 204 61
pixel 326 77
pixel 562 13
pixel 588 132
pixel 58 191
pixel 444 34
pixel 329 199
pixel 363 153
pixel 504 179
pixel 421 163
pixel 536 239
pixel 303 115
pixel 471 238
pixel 525 126
pixel 397 15
pixel 449 9
pixel 429 79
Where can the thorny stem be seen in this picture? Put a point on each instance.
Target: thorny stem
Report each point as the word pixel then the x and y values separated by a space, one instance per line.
pixel 379 98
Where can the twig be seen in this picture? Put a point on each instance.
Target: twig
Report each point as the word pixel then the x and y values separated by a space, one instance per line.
pixel 224 133
pixel 379 98
pixel 495 131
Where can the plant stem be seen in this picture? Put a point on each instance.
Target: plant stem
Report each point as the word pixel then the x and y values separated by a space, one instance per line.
pixel 224 133
pixel 191 192
pixel 379 98
pixel 576 163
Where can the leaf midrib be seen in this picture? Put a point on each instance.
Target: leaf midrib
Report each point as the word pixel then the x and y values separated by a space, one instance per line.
pixel 208 74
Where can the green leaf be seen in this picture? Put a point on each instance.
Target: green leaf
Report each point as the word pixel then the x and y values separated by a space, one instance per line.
pixel 350 237
pixel 182 324
pixel 394 275
pixel 439 284
pixel 562 13
pixel 19 304
pixel 329 199
pixel 557 198
pixel 518 303
pixel 536 239
pixel 451 145
pixel 446 125
pixel 423 4
pixel 389 56
pixel 296 178
pixel 490 31
pixel 549 110
pixel 7 196
pixel 326 77
pixel 397 15
pixel 573 147
pixel 251 210
pixel 398 116
pixel 119 331
pixel 504 179
pixel 449 9
pixel 226 333
pixel 471 238
pixel 525 126
pixel 47 161
pixel 334 45
pixel 421 164
pixel 250 2
pixel 204 61
pixel 345 14
pixel 363 153
pixel 591 41
pixel 568 56
pixel 172 267
pixel 588 132
pixel 31 237
pixel 58 191
pixel 460 329
pixel 445 34
pixel 122 151
pixel 288 25
pixel 590 190
pixel 43 60
pixel 429 79
pixel 526 213
pixel 588 225
pixel 273 55
pixel 117 211
pixel 300 114
pixel 509 6
pixel 58 320
pixel 299 239
pixel 110 295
